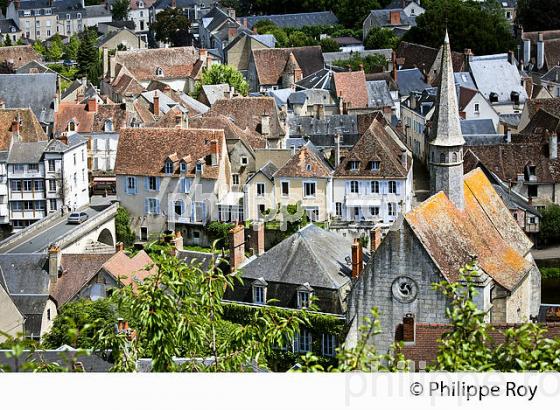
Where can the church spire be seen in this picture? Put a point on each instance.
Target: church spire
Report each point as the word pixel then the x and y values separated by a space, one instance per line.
pixel 446 144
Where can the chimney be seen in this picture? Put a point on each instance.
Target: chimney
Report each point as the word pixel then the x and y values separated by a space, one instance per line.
pixel 15 126
pixel 265 125
pixel 510 57
pixel 395 17
pixel 257 238
pixel 156 103
pixel 357 258
pixel 467 58
pixel 540 51
pixel 527 50
pixel 232 31
pixel 203 55
pixel 508 136
pixel 553 145
pixel 245 22
pixel 178 120
pixel 92 104
pixel 409 329
pixel 63 138
pixel 374 239
pixel 394 63
pixel 337 152
pixel 214 153
pixel 404 158
pixel 119 247
pixel 174 4
pixel 17 4
pixel 236 246
pixel 178 241
pixel 54 262
pixel 105 62
pixel 231 13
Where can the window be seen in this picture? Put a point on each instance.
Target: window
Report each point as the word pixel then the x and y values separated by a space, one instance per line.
pixel 152 206
pixel 392 187
pixel 328 345
pixel 159 72
pixel 260 189
pixel 309 189
pixel 169 167
pixel 374 210
pixel 48 314
pixel 38 185
pixel 259 294
pixel 354 165
pixel 71 126
pixel 179 207
pixel 40 205
pixel 79 15
pixel 392 209
pixel 338 209
pixel 15 185
pixel 442 158
pixel 302 341
pixel 454 157
pixel 532 220
pixel 375 165
pixel 52 185
pixel 108 126
pixel 186 185
pixel 312 213
pixel 52 204
pixel 27 185
pixel 285 188
pixel 68 17
pixel 28 205
pixel 303 297
pixel 374 187
pixel 235 179
pixel 183 167
pixel 33 167
pixel 131 185
pixel 532 191
pixel 308 167
pixel 48 12
pixel 354 187
pixel 17 206
pixel 152 183
pixel 476 108
pixel 262 210
pixel 244 160
pixel 199 167
pixel 75 158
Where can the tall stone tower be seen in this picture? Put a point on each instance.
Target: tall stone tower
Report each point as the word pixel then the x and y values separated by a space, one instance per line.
pixel 445 147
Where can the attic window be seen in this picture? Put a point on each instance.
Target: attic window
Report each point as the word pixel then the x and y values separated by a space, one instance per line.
pixel 108 126
pixel 71 126
pixel 168 167
pixel 199 167
pixel 259 292
pixel 374 165
pixel 493 97
pixel 159 72
pixel 354 165
pixel 304 294
pixel 308 167
pixel 183 167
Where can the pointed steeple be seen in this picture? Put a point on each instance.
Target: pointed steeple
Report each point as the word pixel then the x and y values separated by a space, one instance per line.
pixel 447 128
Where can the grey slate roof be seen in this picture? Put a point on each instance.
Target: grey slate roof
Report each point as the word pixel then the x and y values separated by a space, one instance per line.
pixel 311 255
pixel 6 26
pixel 378 94
pixel 191 102
pixel 267 170
pixel 92 363
pixel 26 152
pixel 483 139
pixel 511 119
pixel 495 74
pixel 267 39
pixel 321 79
pixel 478 126
pixel 215 92
pixel 345 55
pixel 553 75
pixel 280 96
pixel 313 96
pixel 380 18
pixel 328 126
pixel 409 80
pixel 295 20
pixel 35 91
pixel 464 79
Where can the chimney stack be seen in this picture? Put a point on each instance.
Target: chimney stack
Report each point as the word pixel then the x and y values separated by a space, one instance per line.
pixel 510 57
pixel 553 145
pixel 15 126
pixel 214 153
pixel 467 58
pixel 257 238
pixel 395 17
pixel 508 136
pixel 265 125
pixel 92 104
pixel 237 246
pixel 357 259
pixel 54 262
pixel 540 51
pixel 156 103
pixel 374 239
pixel 337 152
pixel 409 328
pixel 203 55
pixel 404 158
pixel 105 62
pixel 119 247
pixel 527 51
pixel 394 63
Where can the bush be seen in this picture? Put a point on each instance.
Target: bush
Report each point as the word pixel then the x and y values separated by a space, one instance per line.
pixel 328 45
pixel 122 227
pixel 219 231
pixel 550 224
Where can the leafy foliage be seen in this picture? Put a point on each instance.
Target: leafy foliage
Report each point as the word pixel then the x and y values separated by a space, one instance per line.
pixel 223 74
pixel 56 48
pixel 71 48
pixel 120 9
pixel 371 63
pixel 218 232
pixel 380 38
pixel 329 45
pixel 122 227
pixel 88 57
pixel 7 41
pixel 173 27
pixel 538 15
pixel 550 224
pixel 480 26
pixel 352 13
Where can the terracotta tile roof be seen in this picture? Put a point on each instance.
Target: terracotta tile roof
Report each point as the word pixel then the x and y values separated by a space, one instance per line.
pixel 485 228
pixel 128 270
pixel 143 151
pixel 143 112
pixel 413 55
pixel 30 128
pixel 127 85
pixel 465 96
pixel 176 62
pixel 351 86
pixel 271 63
pixel 247 112
pixel 78 270
pixel 90 121
pixel 376 144
pixel 251 139
pixel 134 4
pixel 14 57
pixel 307 162
pixel 552 105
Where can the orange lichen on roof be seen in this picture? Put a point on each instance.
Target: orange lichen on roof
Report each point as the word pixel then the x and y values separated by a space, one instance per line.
pixel 484 229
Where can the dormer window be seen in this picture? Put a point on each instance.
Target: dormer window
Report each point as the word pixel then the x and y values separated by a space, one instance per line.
pixel 168 167
pixel 159 72
pixel 259 291
pixel 308 167
pixel 199 167
pixel 71 126
pixel 108 126
pixel 374 165
pixel 354 165
pixel 183 167
pixel 304 293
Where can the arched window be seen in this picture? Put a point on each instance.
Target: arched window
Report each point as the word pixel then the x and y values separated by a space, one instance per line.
pixel 442 158
pixel 108 126
pixel 159 72
pixel 454 157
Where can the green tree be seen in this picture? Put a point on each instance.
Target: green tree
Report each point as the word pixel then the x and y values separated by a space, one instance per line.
pixel 329 45
pixel 120 10
pixel 218 232
pixel 352 13
pixel 40 48
pixel 88 58
pixel 71 48
pixel 56 48
pixel 79 321
pixel 480 26
pixel 223 74
pixel 371 63
pixel 7 41
pixel 550 224
pixel 20 42
pixel 173 27
pixel 538 15
pixel 300 39
pixel 122 227
pixel 378 38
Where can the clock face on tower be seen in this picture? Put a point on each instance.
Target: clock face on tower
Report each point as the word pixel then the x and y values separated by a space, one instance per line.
pixel 404 289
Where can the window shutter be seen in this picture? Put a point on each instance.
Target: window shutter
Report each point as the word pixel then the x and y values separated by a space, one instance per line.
pixel 158 211
pixel 146 183
pixel 125 186
pixel 146 206
pixel 204 212
pixel 135 186
pixel 399 187
pixel 182 185
pixel 323 347
pixel 157 183
pixel 188 183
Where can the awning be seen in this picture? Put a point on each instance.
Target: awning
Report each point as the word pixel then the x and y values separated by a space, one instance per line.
pixel 104 179
pixel 362 202
pixel 232 198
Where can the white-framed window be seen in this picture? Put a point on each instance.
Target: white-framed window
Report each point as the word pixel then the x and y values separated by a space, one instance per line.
pixel 235 179
pixel 259 294
pixel 374 187
pixel 19 168
pixel 79 16
pixel 309 189
pixel 15 185
pixel 244 160
pixel 303 298
pixel 159 72
pixel 71 126
pixel 38 185
pixel 68 17
pixel 130 185
pixel 302 341
pixel 354 187
pixel 108 126
pixel 179 207
pixel 152 206
pixel 27 185
pixel 328 347
pixel 374 210
pixel 374 165
pixel 392 209
pixel 354 165
pixel 52 205
pixel 392 187
pixel 52 185
pixel 152 183
pixel 312 213
pixel 17 206
pixel 285 188
pixel 168 167
pixel 33 167
pixel 199 167
pixel 477 108
pixel 338 209
pixel 260 189
pixel 183 167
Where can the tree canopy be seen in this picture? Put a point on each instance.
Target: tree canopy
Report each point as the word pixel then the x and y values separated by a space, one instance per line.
pixel 371 64
pixel 119 10
pixel 480 26
pixel 55 51
pixel 88 58
pixel 378 38
pixel 538 15
pixel 223 74
pixel 550 224
pixel 173 27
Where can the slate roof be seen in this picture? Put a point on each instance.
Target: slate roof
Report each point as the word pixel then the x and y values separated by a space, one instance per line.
pixel 280 95
pixel 378 94
pixel 247 112
pixel 380 18
pixel 34 67
pixel 36 91
pixel 542 120
pixel 307 162
pixel 143 151
pixel 351 86
pixel 215 92
pixel 409 80
pixel 511 119
pixel 92 363
pixel 376 144
pixel 412 55
pixel 25 278
pixel 328 126
pixel 465 80
pixel 553 75
pixel 478 126
pixel 552 105
pixel 270 63
pixel 30 129
pixel 321 79
pixel 498 76
pixel 312 97
pixel 485 228
pixel 298 20
pixel 13 57
pixel 26 152
pixel 311 255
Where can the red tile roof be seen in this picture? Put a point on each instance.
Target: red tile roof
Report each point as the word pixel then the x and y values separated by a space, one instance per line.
pixel 270 63
pixel 127 269
pixel 15 57
pixel 30 128
pixel 251 139
pixel 306 163
pixel 90 121
pixel 352 87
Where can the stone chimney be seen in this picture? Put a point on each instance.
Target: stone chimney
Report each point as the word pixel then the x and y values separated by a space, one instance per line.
pixel 394 63
pixel 265 125
pixel 15 128
pixel 508 136
pixel 374 239
pixel 553 145
pixel 404 158
pixel 236 246
pixel 540 51
pixel 119 247
pixel 510 57
pixel 92 104
pixel 357 259
pixel 203 55
pixel 105 62
pixel 467 58
pixel 214 153
pixel 156 103
pixel 338 139
pixel 54 262
pixel 395 17
pixel 527 50
pixel 63 138
pixel 409 328
pixel 256 238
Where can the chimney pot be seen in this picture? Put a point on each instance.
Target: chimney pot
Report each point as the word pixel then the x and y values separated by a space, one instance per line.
pixel 214 152
pixel 119 247
pixel 237 246
pixel 54 262
pixel 395 17
pixel 257 238
pixel 156 103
